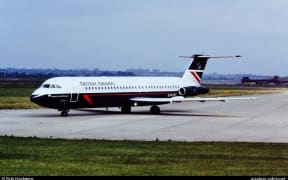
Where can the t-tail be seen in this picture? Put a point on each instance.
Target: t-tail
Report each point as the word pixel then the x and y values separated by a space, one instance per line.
pixel 193 75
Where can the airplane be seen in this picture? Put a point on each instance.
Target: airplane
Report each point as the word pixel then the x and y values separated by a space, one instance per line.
pixel 65 93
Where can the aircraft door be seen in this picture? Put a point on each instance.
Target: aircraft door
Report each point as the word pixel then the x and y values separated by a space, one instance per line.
pixel 74 94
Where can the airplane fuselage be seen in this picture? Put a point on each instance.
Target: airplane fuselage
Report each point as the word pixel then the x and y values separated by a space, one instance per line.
pixel 86 92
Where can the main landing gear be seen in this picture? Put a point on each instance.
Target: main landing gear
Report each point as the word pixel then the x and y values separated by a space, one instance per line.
pixel 155 110
pixel 126 109
pixel 64 113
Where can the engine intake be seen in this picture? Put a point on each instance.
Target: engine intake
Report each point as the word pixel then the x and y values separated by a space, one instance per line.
pixel 193 91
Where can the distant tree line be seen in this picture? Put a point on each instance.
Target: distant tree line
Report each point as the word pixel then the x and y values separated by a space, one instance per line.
pixel 36 74
pixel 43 74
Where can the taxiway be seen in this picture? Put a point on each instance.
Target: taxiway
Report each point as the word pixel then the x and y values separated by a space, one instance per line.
pixel 262 120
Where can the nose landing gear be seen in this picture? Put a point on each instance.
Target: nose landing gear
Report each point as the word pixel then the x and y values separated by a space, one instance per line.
pixel 64 113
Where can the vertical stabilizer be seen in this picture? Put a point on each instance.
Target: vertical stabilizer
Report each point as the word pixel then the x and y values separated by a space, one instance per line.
pixel 193 75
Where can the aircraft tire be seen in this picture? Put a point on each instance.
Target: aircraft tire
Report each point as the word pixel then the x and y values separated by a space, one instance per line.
pixel 155 110
pixel 64 113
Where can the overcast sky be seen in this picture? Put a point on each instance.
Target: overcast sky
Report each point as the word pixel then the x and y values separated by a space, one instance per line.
pixel 122 34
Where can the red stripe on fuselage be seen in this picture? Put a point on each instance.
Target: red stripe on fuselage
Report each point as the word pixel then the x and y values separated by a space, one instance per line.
pixel 88 99
pixel 195 75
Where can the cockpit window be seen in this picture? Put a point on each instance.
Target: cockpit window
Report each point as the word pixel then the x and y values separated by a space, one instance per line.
pixel 51 86
pixel 46 85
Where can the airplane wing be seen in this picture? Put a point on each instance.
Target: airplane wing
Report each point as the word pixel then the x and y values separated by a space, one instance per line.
pixel 179 99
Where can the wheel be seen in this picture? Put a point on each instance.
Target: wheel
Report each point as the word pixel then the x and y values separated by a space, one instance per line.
pixel 155 110
pixel 126 109
pixel 64 113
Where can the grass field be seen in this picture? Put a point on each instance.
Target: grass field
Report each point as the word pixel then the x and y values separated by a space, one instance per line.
pixel 16 98
pixel 31 156
pixel 220 91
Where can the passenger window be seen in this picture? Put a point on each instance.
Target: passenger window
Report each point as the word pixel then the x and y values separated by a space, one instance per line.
pixel 52 86
pixel 58 86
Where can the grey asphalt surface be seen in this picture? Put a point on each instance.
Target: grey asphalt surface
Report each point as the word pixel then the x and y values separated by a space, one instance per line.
pixel 262 120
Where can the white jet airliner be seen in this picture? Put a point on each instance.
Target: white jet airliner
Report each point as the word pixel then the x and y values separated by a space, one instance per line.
pixel 65 93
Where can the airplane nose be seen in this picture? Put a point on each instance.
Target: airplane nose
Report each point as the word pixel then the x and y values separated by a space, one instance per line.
pixel 33 98
pixel 36 98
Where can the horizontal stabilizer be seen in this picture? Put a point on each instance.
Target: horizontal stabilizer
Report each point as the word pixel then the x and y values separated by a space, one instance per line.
pixel 208 57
